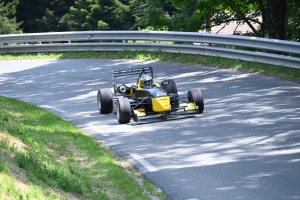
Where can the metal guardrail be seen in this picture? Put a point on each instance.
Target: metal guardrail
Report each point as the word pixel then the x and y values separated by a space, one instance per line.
pixel 175 42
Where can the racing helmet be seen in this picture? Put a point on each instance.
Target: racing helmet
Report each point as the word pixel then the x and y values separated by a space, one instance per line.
pixel 146 80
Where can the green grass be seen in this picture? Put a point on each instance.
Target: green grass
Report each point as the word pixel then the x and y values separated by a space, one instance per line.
pixel 271 70
pixel 43 156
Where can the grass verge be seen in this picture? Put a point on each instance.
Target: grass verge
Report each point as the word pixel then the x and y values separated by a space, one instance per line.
pixel 291 74
pixel 43 156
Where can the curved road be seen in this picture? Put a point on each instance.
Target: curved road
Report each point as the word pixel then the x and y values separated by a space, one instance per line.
pixel 246 144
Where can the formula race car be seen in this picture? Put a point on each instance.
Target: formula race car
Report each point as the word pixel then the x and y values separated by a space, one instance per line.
pixel 145 98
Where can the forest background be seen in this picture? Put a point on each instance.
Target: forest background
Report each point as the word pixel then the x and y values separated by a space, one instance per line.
pixel 278 19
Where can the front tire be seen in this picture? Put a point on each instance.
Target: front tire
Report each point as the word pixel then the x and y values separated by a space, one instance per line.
pixel 105 101
pixel 123 110
pixel 195 96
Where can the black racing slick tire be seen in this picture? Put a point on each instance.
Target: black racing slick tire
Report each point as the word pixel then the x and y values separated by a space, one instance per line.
pixel 123 110
pixel 169 86
pixel 171 89
pixel 195 96
pixel 105 101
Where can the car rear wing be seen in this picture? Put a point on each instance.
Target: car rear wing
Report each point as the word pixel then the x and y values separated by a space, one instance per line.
pixel 127 72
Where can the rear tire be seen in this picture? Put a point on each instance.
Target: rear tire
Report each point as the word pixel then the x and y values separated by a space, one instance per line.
pixel 171 89
pixel 105 101
pixel 169 86
pixel 195 96
pixel 123 110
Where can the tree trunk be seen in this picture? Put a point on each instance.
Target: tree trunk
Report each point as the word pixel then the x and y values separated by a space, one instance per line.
pixel 275 19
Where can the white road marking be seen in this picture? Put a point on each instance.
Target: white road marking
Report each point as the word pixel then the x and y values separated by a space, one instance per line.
pixel 53 108
pixel 143 162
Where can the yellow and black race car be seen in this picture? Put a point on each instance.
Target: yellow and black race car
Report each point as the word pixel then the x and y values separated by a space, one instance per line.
pixel 146 99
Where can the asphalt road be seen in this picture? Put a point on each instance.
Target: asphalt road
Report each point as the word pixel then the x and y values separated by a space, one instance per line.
pixel 246 144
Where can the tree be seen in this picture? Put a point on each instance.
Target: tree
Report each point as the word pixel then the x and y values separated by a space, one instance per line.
pixel 53 14
pixel 129 19
pixel 154 14
pixel 8 24
pixel 199 14
pixel 98 15
pixel 42 15
pixel 204 14
pixel 294 20
pixel 279 17
pixel 276 19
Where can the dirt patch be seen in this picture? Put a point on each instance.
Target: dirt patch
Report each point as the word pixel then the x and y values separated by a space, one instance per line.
pixel 13 141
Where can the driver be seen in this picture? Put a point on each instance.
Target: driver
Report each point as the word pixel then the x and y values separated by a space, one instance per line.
pixel 146 80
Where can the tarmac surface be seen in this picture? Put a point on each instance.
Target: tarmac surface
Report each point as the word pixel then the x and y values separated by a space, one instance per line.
pixel 245 145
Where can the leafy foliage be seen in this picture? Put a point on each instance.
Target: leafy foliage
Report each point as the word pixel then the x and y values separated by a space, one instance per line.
pixel 155 15
pixel 42 16
pixel 98 15
pixel 8 23
pixel 172 15
pixel 200 14
pixel 205 14
pixel 294 20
